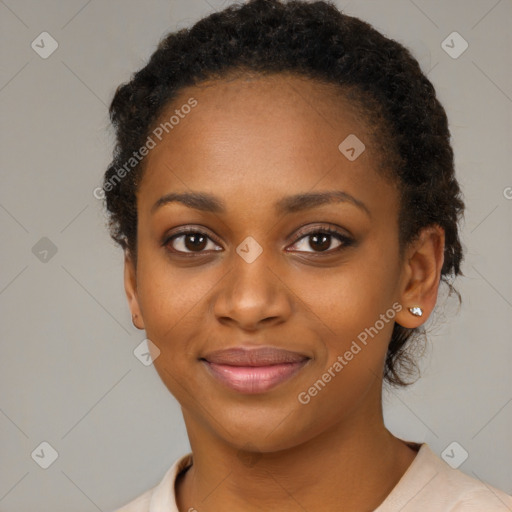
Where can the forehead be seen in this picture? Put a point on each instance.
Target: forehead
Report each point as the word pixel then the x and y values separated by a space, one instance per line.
pixel 286 97
pixel 263 133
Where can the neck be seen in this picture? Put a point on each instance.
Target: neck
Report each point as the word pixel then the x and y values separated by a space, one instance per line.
pixel 357 463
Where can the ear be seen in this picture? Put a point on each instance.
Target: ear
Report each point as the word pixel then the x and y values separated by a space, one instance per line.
pixel 421 274
pixel 130 287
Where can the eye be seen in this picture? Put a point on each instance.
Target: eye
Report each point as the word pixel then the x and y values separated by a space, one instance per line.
pixel 189 241
pixel 320 240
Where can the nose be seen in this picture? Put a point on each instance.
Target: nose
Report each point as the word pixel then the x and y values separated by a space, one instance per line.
pixel 253 294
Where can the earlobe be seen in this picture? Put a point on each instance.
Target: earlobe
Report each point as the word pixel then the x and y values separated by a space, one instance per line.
pixel 130 287
pixel 421 275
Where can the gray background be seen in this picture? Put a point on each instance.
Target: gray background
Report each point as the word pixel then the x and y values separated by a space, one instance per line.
pixel 68 374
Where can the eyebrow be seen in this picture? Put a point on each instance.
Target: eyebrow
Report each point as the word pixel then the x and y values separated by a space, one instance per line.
pixel 290 204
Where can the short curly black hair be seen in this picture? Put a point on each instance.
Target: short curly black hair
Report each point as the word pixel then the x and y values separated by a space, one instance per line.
pixel 312 40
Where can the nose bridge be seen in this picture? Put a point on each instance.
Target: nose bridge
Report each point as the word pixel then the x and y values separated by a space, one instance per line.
pixel 252 291
pixel 252 275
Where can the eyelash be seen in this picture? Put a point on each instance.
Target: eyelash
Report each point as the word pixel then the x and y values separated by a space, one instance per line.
pixel 345 240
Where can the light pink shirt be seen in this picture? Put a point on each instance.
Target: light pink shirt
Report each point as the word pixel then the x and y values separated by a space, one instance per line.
pixel 428 485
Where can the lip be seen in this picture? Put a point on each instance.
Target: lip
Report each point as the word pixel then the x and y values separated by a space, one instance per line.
pixel 253 370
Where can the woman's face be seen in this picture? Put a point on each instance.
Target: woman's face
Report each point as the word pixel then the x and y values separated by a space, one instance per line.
pixel 260 269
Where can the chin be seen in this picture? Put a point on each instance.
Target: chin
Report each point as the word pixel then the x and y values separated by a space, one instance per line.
pixel 263 431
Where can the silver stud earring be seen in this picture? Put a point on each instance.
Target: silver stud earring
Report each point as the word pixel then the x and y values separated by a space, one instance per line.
pixel 416 311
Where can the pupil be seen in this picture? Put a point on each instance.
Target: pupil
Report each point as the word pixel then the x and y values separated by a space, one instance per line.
pixel 323 245
pixel 197 241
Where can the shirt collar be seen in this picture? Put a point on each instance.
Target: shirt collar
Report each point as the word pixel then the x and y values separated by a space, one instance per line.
pixel 164 494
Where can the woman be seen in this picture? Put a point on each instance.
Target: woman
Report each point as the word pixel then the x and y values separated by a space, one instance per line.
pixel 283 188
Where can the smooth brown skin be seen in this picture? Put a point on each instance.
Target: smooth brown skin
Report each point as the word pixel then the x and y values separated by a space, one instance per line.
pixel 251 143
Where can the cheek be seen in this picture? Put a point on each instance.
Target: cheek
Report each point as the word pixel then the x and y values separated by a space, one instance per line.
pixel 352 308
pixel 345 300
pixel 172 302
pixel 169 296
pixel 171 315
